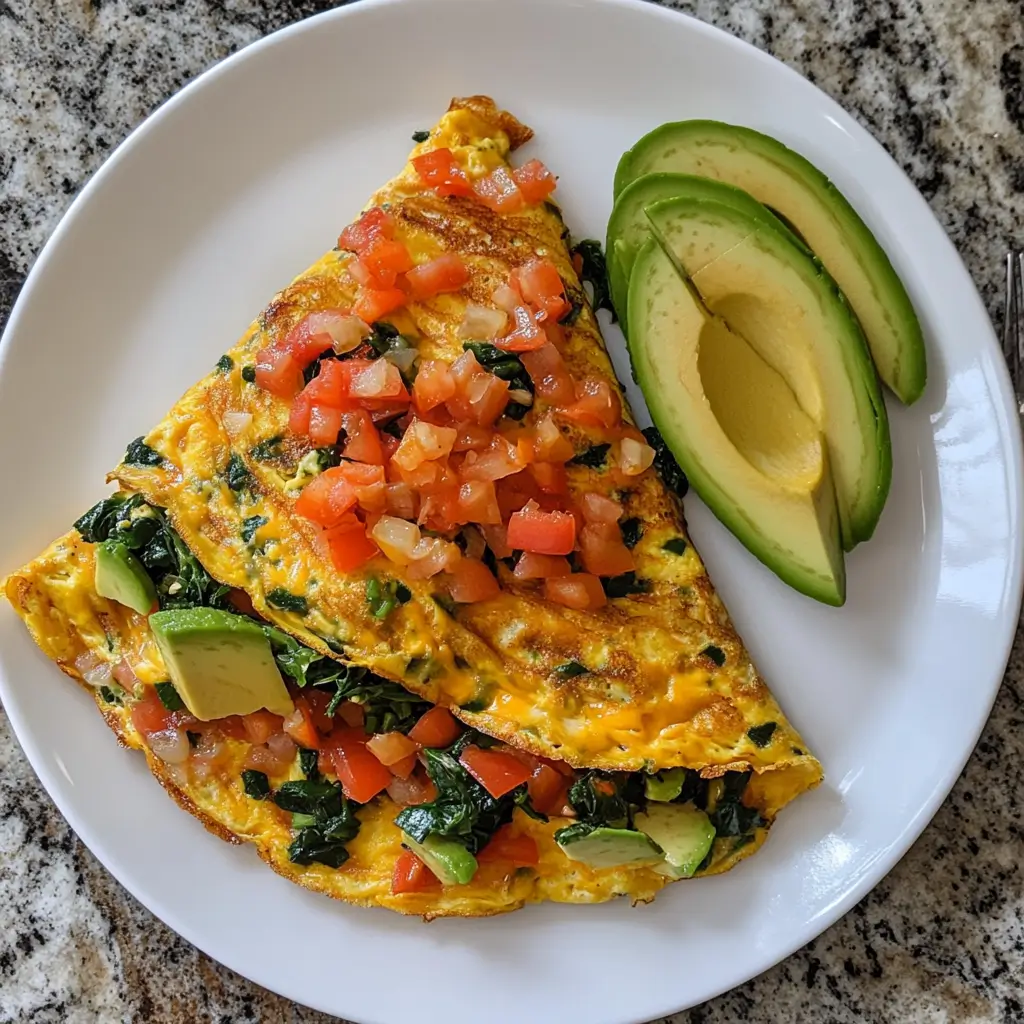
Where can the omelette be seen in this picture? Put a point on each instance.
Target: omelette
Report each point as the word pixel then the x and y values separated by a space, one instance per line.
pixel 247 780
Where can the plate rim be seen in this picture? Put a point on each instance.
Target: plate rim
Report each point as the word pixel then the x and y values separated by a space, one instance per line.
pixel 1007 417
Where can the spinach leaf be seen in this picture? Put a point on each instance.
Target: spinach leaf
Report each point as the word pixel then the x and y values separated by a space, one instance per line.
pixel 111 696
pixel 324 842
pixel 570 669
pixel 576 300
pixel 731 817
pixel 383 598
pixel 578 830
pixel 674 546
pixel 318 797
pixel 328 457
pixel 592 457
pixel 594 271
pixel 521 798
pixel 624 585
pixel 249 374
pixel 387 707
pixel 256 784
pixel 506 366
pixel 225 364
pixel 420 136
pixel 267 450
pixel 761 735
pixel 385 338
pixel 138 453
pixel 293 658
pixel 308 763
pixel 665 463
pixel 101 520
pixel 632 530
pixel 169 696
pixel 716 654
pixel 237 476
pixel 599 798
pixel 288 602
pixel 250 526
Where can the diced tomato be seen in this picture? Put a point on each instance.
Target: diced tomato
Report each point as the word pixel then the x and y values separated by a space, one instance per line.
pixel 545 533
pixel 505 847
pixel 580 590
pixel 404 768
pixel 577 263
pixel 391 747
pixel 532 566
pixel 549 443
pixel 379 380
pixel 535 181
pixel 416 788
pixel 499 460
pixel 597 403
pixel 548 789
pixel 499 773
pixel 278 372
pixel 550 477
pixel 604 553
pixel 471 437
pixel 362 442
pixel 496 539
pixel 634 456
pixel 327 498
pixel 436 728
pixel 412 875
pixel 599 509
pixel 261 725
pixel 550 376
pixel 318 700
pixel 400 501
pixel 439 171
pixel 373 224
pixel 324 424
pixel 498 191
pixel 541 286
pixel 149 714
pixel 348 545
pixel 307 339
pixel 526 336
pixel 352 714
pixel 488 396
pixel 241 602
pixel 331 385
pixel 300 725
pixel 385 259
pixel 423 442
pixel 478 502
pixel 471 581
pixel 433 385
pixel 231 727
pixel 361 775
pixel 447 273
pixel 373 303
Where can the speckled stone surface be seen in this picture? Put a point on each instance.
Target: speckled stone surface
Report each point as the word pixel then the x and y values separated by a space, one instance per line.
pixel 941 84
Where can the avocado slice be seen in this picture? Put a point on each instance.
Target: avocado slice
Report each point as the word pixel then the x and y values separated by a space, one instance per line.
pixel 683 831
pixel 448 859
pixel 221 664
pixel 121 577
pixel 765 476
pixel 602 847
pixel 791 185
pixel 666 785
pixel 629 228
pixel 790 312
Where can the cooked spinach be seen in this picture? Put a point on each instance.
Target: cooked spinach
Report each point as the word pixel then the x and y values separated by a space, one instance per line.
pixel 387 707
pixel 225 364
pixel 383 598
pixel 111 696
pixel 293 658
pixel 600 798
pixel 625 584
pixel 308 762
pixel 420 136
pixel 674 546
pixel 570 669
pixel 328 457
pixel 333 821
pixel 319 797
pixel 256 784
pixel 313 369
pixel 249 374
pixel 632 530
pixel 386 337
pixel 445 603
pixel 138 453
pixel 732 817
pixel 593 457
pixel 237 476
pixel 521 798
pixel 595 272
pixel 287 601
pixel 193 738
pixel 761 735
pixel 665 463
pixel 267 450
pixel 577 830
pixel 169 696
pixel 250 526
pixel 716 654
pixel 506 366
pixel 576 300
pixel 476 705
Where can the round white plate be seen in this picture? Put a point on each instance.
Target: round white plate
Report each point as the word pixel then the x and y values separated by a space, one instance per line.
pixel 244 179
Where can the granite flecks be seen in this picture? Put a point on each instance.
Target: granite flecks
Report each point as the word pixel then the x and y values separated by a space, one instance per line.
pixel 941 84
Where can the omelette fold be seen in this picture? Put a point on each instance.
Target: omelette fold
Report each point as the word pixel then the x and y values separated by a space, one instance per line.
pixel 417 463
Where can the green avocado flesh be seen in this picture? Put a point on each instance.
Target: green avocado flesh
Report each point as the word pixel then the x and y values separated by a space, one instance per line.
pixel 629 228
pixel 788 310
pixel 767 478
pixel 449 860
pixel 790 185
pixel 610 848
pixel 665 785
pixel 221 664
pixel 121 577
pixel 684 833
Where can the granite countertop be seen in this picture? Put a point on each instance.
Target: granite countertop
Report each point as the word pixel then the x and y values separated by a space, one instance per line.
pixel 941 84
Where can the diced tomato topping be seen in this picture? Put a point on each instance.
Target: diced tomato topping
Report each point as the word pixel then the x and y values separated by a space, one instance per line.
pixel 348 545
pixel 400 500
pixel 478 502
pixel 373 303
pixel 423 442
pixel 599 509
pixel 597 403
pixel 361 775
pixel 327 498
pixel 331 385
pixel 545 533
pixel 416 788
pixel 352 714
pixel 405 767
pixel 278 372
pixel 634 456
pixel 318 700
pixel 541 286
pixel 498 191
pixel 391 747
pixel 373 224
pixel 439 171
pixel 471 581
pixel 261 725
pixel 604 553
pixel 550 477
pixel 526 336
pixel 580 590
pixel 385 259
pixel 496 539
pixel 505 847
pixel 433 386
pixel 471 437
pixel 149 714
pixel 378 380
pixel 232 727
pixel 550 376
pixel 241 602
pixel 499 773
pixel 500 459
pixel 447 273
pixel 362 442
pixel 548 789
pixel 412 875
pixel 535 181
pixel 437 728
pixel 488 396
pixel 549 443
pixel 301 726
pixel 324 424
pixel 532 566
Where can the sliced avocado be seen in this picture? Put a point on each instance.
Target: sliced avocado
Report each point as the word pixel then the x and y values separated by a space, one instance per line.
pixel 769 292
pixel 607 847
pixel 629 228
pixel 121 577
pixel 448 859
pixel 787 183
pixel 221 664
pixel 682 831
pixel 751 453
pixel 666 785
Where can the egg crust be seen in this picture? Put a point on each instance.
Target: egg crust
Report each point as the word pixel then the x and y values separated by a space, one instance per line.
pixel 668 681
pixel 55 596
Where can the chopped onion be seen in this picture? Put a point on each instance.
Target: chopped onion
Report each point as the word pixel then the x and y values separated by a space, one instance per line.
pixel 397 538
pixel 431 556
pixel 170 745
pixel 412 790
pixel 94 671
pixel 235 422
pixel 346 332
pixel 403 358
pixel 282 746
pixel 475 543
pixel 634 456
pixel 506 298
pixel 125 676
pixel 482 322
pixel 520 395
pixel 401 500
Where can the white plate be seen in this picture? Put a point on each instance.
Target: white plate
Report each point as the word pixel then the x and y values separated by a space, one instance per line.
pixel 240 182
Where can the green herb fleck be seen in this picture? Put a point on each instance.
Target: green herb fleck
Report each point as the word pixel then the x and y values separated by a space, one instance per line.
pixel 138 453
pixel 570 669
pixel 110 697
pixel 256 784
pixel 632 530
pixel 225 364
pixel 595 272
pixel 288 602
pixel 592 457
pixel 624 585
pixel 475 706
pixel 716 654
pixel 237 476
pixel 420 136
pixel 383 598
pixel 308 763
pixel 674 546
pixel 169 696
pixel 249 374
pixel 250 526
pixel 665 463
pixel 761 735
pixel 267 450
